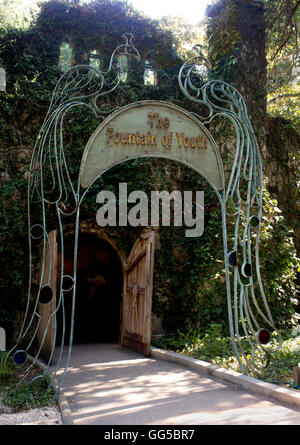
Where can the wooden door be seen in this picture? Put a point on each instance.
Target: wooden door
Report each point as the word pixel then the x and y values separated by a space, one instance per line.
pixel 137 295
pixel 47 301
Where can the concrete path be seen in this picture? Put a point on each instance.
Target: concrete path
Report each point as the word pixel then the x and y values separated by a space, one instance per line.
pixel 109 385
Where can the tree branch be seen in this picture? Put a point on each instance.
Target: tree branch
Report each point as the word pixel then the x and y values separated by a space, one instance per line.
pixel 282 45
pixel 285 8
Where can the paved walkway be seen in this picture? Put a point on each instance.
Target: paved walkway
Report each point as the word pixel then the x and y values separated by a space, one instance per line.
pixel 109 385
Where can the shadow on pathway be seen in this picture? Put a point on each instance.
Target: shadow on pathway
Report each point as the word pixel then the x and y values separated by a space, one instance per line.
pixel 110 385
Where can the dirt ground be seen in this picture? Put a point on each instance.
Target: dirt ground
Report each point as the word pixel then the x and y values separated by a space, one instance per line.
pixel 48 415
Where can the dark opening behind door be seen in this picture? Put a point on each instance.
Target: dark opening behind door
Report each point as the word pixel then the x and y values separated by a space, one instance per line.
pixel 98 292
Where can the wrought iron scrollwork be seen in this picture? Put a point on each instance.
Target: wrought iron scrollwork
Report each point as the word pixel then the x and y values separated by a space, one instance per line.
pixel 220 99
pixel 56 194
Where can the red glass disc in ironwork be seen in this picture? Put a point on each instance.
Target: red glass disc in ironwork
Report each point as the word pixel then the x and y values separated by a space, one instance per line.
pixel 263 336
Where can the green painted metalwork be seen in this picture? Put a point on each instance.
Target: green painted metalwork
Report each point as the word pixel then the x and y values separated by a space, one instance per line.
pixel 83 86
pixel 219 99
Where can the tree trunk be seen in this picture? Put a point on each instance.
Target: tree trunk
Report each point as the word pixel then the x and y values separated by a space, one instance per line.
pixel 237 52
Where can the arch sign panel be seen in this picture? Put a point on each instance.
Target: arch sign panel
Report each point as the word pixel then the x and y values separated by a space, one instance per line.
pixel 151 128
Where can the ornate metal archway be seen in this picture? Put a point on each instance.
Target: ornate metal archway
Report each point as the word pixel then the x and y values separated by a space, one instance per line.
pixel 240 198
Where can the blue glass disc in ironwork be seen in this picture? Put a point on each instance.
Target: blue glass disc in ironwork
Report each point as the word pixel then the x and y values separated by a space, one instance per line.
pixel 20 357
pixel 246 270
pixel 232 258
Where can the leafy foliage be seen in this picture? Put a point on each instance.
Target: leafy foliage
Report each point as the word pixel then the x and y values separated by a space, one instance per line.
pixel 211 346
pixel 14 14
pixel 194 277
pixel 24 396
pixel 283 87
pixel 281 40
pixel 216 348
pixel 185 35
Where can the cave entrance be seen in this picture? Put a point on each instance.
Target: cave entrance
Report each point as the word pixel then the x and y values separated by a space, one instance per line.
pixel 98 292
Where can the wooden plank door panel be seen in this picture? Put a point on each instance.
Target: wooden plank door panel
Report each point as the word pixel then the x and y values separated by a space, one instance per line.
pixel 137 295
pixel 47 310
